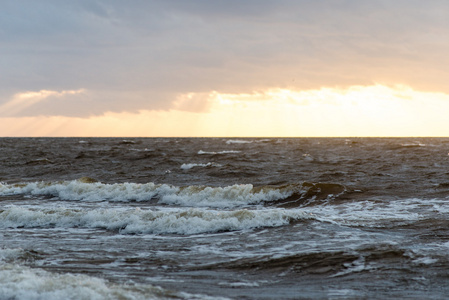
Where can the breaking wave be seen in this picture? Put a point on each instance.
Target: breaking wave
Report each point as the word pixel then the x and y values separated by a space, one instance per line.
pixel 238 142
pixel 219 152
pixel 20 282
pixel 87 189
pixel 193 165
pixel 138 221
pixel 366 258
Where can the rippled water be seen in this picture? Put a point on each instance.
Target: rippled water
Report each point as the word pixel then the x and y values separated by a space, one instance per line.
pixel 205 218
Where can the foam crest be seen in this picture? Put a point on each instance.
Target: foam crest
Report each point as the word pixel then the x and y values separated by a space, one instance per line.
pixel 193 165
pixel 219 152
pixel 173 221
pixel 7 255
pixel 230 196
pixel 223 197
pixel 90 191
pixel 199 221
pixel 382 214
pixel 238 142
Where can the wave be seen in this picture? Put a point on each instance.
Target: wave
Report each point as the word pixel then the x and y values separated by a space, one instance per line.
pixel 308 193
pixel 39 161
pixel 138 221
pixel 412 145
pixel 425 214
pixel 20 282
pixel 331 263
pixel 87 189
pixel 238 142
pixel 219 152
pixel 17 254
pixel 193 165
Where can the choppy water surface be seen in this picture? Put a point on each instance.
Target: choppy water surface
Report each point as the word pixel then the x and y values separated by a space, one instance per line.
pixel 224 218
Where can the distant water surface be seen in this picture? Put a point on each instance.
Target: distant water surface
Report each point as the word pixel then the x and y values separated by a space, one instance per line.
pixel 221 218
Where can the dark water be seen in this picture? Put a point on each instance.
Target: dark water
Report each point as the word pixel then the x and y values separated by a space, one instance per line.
pixel 202 218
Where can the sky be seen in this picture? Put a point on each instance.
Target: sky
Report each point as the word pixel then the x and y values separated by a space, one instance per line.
pixel 180 68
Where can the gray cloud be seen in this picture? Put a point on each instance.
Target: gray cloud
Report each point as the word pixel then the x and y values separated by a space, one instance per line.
pixel 132 55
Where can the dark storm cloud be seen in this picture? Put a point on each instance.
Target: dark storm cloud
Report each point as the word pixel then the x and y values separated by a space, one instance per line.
pixel 132 55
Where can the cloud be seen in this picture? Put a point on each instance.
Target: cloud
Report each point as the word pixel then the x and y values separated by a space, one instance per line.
pixel 145 54
pixel 357 111
pixel 23 102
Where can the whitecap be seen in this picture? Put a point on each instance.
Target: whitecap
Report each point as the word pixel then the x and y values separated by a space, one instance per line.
pixel 219 152
pixel 239 284
pixel 425 261
pixel 414 144
pixel 224 197
pixel 238 142
pixel 7 254
pixel 206 152
pixel 308 157
pixel 382 214
pixel 139 221
pixel 193 165
pixel 87 190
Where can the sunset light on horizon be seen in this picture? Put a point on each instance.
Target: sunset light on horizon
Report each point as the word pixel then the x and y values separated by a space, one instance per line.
pixel 327 112
pixel 224 68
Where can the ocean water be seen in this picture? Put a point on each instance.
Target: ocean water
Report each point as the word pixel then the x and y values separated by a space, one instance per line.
pixel 220 218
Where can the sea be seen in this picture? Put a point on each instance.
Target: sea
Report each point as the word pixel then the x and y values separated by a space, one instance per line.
pixel 224 218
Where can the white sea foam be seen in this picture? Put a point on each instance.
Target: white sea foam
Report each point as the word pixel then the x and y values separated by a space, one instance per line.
pixel 414 144
pixel 193 165
pixel 170 221
pixel 239 284
pixel 7 255
pixel 382 213
pixel 219 152
pixel 19 282
pixel 238 142
pixel 308 157
pixel 225 197
pixel 79 190
pixel 425 261
pixel 230 196
pixel 355 266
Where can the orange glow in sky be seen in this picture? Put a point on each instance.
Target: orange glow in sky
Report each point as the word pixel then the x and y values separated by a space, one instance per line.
pixel 278 68
pixel 375 110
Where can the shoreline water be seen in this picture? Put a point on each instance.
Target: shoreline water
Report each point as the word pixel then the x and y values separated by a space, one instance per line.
pixel 258 218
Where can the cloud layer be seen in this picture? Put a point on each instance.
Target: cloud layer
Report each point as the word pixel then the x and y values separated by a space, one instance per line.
pixel 147 55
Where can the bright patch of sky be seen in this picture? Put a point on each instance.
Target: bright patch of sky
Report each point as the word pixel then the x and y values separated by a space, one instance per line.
pixel 79 61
